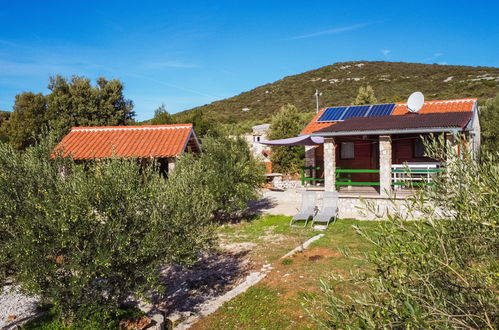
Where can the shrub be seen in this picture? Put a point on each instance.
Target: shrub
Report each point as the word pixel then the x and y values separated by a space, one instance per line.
pixel 85 240
pixel 230 174
pixel 440 272
pixel 489 121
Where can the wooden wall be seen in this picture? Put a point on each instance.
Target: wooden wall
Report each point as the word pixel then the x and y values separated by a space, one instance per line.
pixel 403 149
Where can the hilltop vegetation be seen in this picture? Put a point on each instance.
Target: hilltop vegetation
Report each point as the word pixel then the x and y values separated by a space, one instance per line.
pixel 339 84
pixel 4 115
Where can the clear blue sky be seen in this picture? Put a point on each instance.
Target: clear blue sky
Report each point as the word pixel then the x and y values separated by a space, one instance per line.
pixel 189 53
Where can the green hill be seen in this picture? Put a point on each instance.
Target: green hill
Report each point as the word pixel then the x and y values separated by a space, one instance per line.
pixel 392 82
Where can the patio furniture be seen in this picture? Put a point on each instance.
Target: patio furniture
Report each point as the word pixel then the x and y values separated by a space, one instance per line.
pixel 307 209
pixel 329 209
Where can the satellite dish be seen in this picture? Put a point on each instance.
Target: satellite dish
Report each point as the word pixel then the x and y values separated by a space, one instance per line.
pixel 415 102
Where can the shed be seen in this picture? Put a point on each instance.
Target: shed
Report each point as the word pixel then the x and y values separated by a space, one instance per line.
pixel 164 143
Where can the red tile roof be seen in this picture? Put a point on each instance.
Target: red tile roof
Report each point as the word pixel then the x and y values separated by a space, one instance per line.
pixel 429 107
pixel 438 106
pixel 126 141
pixel 400 123
pixel 315 126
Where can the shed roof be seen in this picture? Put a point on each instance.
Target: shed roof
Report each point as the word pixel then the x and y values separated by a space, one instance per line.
pixel 127 141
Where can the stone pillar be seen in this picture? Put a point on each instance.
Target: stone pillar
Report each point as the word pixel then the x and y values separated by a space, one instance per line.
pixel 329 164
pixel 385 165
pixel 310 158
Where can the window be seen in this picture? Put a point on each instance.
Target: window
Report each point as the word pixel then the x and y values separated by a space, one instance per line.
pixel 347 150
pixel 256 138
pixel 419 149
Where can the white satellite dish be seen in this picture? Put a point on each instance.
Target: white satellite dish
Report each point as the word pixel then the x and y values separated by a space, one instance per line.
pixel 415 102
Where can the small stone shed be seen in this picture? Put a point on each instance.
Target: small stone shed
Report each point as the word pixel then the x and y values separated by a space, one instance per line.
pixel 163 143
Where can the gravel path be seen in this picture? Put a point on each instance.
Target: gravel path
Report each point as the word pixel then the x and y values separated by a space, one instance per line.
pixel 15 307
pixel 286 202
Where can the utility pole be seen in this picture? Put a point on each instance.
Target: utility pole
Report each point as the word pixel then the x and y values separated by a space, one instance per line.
pixel 317 94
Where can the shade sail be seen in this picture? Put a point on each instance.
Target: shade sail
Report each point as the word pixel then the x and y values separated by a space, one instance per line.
pixel 304 140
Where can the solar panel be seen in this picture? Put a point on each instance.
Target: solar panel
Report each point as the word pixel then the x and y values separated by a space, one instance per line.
pixel 356 111
pixel 381 110
pixel 332 114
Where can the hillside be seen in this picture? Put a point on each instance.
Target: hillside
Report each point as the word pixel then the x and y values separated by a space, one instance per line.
pixel 392 82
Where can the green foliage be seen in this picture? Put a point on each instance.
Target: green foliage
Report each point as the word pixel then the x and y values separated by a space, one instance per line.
pixel 51 321
pixel 26 123
pixel 439 272
pixel 285 124
pixel 230 174
pixel 83 237
pixel 78 103
pixel 161 117
pixel 4 115
pixel 201 122
pixel 391 81
pixel 365 95
pixel 70 103
pixel 287 261
pixel 489 124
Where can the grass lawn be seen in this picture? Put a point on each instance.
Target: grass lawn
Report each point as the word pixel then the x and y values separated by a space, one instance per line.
pixel 277 301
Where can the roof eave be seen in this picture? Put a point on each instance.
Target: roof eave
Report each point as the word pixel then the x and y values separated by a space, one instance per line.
pixel 391 131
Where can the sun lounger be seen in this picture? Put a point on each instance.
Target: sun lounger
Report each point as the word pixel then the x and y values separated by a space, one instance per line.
pixel 329 209
pixel 307 209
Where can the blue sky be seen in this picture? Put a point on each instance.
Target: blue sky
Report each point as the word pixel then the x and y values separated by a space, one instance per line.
pixel 189 53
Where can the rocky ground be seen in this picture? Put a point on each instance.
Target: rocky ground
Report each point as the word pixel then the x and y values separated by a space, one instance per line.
pixel 214 274
pixel 15 307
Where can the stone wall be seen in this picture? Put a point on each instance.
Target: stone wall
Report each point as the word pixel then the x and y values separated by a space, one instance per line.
pixel 350 207
pixel 356 208
pixel 286 184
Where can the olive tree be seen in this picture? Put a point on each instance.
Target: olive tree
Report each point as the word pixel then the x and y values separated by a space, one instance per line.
pixel 285 124
pixel 231 173
pixel 84 237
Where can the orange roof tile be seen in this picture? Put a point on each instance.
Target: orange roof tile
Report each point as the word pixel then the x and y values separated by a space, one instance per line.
pixel 126 141
pixel 441 106
pixel 314 126
pixel 458 105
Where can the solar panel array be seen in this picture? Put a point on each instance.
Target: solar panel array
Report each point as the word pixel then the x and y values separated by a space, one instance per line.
pixel 342 113
pixel 333 114
pixel 357 111
pixel 381 110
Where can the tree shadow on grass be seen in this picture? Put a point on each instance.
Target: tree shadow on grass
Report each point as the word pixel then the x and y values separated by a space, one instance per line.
pixel 213 275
